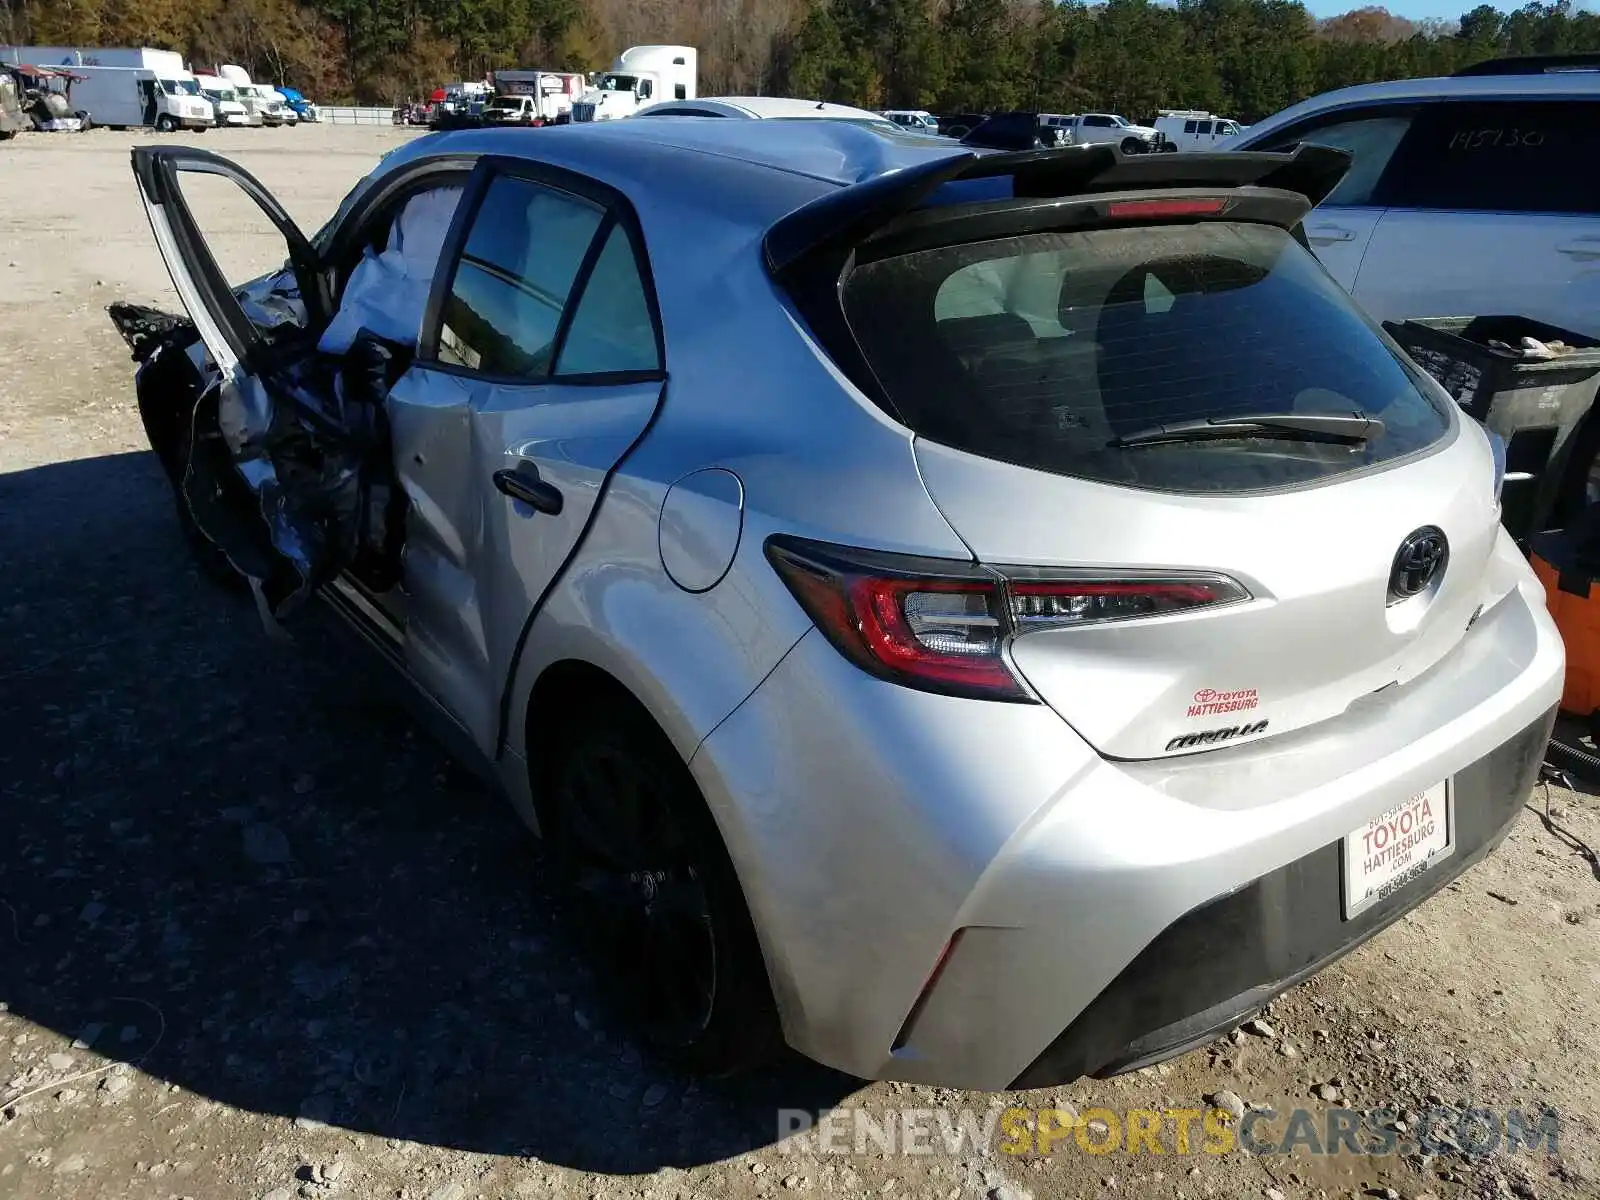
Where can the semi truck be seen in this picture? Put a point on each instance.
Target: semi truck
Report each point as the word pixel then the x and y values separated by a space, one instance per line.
pixel 224 99
pixel 641 75
pixel 258 98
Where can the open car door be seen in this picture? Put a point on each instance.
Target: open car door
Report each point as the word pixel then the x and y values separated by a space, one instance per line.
pixel 234 341
pixel 277 445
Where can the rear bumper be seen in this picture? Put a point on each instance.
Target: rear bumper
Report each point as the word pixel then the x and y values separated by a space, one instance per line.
pixel 1222 961
pixel 1098 914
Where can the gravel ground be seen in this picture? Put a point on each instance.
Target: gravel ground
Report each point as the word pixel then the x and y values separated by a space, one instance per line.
pixel 258 937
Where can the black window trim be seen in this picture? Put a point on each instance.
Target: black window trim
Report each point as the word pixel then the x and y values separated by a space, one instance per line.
pixel 616 210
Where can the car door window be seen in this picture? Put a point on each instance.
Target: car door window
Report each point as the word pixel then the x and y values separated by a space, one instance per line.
pixel 1498 156
pixel 522 255
pixel 1371 140
pixel 611 331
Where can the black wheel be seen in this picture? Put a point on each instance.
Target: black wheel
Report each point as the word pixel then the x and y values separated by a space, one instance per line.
pixel 1132 145
pixel 85 123
pixel 658 902
pixel 167 123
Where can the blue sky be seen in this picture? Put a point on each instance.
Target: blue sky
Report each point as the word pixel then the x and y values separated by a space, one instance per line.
pixel 1415 10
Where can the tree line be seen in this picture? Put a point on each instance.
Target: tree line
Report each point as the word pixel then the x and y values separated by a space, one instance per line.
pixel 1243 58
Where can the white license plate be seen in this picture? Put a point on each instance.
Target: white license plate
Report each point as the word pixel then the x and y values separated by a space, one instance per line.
pixel 1395 847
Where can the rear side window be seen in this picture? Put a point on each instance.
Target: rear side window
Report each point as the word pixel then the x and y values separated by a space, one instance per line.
pixel 1508 156
pixel 1371 140
pixel 611 330
pixel 1040 350
pixel 522 254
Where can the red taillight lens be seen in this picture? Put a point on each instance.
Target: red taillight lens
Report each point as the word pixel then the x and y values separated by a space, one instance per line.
pixel 943 626
pixel 1156 210
pixel 932 624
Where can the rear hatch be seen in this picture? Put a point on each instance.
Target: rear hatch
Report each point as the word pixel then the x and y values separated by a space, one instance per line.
pixel 1178 583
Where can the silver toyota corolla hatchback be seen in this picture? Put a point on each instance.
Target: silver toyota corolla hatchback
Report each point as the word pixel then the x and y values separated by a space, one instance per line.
pixel 980 618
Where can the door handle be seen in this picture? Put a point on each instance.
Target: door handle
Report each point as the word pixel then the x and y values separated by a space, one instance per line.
pixel 1584 248
pixel 1327 234
pixel 523 483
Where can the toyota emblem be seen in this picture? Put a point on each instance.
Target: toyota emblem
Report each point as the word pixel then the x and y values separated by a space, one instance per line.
pixel 1420 560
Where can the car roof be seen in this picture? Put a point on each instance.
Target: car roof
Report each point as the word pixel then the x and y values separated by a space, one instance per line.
pixel 616 152
pixel 769 107
pixel 1555 85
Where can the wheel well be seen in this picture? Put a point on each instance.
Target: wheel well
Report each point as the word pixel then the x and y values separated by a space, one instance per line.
pixel 562 694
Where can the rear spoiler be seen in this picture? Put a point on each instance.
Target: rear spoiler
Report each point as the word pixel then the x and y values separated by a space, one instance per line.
pixel 852 214
pixel 1531 64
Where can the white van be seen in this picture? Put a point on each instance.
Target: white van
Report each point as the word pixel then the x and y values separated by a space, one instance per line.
pixel 124 97
pixel 224 101
pixel 1194 130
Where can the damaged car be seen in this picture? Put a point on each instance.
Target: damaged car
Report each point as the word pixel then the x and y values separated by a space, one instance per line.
pixel 982 618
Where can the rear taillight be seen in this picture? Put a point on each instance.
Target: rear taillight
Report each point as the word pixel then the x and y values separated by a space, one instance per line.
pixel 943 626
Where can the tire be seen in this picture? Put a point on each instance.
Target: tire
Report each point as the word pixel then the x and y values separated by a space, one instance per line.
pixel 1132 145
pixel 657 900
pixel 167 123
pixel 85 122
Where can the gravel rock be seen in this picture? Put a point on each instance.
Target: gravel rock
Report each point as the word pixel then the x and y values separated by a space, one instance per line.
pixel 60 1062
pixel 1287 1050
pixel 1229 1102
pixel 1326 1091
pixel 1259 1028
pixel 1273 1194
pixel 279 1193
pixel 654 1095
pixel 115 1085
pixel 448 1191
pixel 1009 1191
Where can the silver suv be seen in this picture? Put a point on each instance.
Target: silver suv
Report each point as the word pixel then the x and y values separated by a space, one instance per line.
pixel 981 618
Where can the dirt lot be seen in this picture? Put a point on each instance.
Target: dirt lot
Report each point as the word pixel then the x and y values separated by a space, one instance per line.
pixel 259 939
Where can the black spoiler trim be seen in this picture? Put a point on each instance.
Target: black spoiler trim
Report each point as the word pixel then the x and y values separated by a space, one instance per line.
pixel 851 214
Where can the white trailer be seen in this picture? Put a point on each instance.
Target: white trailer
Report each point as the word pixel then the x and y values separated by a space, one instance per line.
pixel 163 62
pixel 641 75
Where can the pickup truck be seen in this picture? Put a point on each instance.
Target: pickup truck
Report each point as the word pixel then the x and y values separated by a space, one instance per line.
pixel 1093 129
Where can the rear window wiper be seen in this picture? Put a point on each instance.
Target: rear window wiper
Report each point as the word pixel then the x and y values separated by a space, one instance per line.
pixel 1341 429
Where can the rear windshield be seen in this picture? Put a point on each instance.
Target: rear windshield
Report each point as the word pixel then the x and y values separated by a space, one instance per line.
pixel 1042 349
